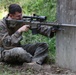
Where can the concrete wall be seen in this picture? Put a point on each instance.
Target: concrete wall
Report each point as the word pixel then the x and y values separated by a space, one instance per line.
pixel 66 39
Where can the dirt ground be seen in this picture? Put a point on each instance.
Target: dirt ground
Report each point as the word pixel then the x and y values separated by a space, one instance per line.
pixel 24 69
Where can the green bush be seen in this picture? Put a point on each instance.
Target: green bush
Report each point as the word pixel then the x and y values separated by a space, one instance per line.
pixel 41 7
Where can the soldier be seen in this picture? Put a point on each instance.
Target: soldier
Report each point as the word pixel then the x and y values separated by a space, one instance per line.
pixel 12 50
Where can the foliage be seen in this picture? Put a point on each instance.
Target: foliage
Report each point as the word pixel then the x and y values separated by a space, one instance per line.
pixel 5 3
pixel 42 7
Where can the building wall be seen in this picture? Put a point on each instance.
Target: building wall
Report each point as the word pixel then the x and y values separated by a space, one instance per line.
pixel 66 38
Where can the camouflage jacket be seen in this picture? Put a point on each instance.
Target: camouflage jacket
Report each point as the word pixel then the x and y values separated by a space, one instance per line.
pixel 10 38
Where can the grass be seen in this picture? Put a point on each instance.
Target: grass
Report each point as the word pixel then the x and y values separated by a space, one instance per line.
pixel 6 69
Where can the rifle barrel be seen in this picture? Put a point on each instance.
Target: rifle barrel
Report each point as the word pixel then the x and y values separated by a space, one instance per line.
pixel 57 24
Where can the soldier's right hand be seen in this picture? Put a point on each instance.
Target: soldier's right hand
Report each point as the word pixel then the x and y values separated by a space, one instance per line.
pixel 24 28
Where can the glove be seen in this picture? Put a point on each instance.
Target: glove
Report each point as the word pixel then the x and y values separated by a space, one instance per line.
pixel 55 28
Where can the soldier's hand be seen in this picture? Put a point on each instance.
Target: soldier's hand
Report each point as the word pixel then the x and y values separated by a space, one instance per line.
pixel 55 28
pixel 24 28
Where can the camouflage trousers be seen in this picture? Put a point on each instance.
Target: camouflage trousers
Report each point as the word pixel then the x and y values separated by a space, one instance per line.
pixel 26 53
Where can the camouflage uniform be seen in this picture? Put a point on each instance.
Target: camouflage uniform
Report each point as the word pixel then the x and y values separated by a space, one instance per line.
pixel 15 52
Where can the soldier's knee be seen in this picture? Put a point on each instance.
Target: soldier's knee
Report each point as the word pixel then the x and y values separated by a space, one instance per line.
pixel 5 55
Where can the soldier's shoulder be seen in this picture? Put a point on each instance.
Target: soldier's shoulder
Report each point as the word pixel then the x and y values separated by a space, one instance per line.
pixel 2 22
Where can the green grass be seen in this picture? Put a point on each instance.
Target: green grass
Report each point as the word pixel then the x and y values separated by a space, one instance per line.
pixel 6 69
